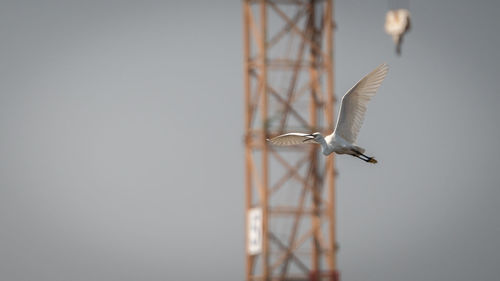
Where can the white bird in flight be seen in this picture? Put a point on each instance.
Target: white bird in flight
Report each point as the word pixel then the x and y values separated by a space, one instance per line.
pixel 351 116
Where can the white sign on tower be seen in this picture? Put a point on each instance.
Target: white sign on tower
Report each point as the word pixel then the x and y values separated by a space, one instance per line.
pixel 254 243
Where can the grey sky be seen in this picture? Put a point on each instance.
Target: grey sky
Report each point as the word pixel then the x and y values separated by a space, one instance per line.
pixel 121 154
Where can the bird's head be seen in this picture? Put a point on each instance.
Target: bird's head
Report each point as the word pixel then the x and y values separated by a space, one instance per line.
pixel 314 137
pixel 317 136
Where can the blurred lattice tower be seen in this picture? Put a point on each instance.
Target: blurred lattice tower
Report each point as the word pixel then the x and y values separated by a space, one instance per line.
pixel 290 195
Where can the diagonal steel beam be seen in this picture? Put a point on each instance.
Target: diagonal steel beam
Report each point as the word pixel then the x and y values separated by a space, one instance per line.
pixel 289 106
pixel 282 245
pixel 277 37
pixel 297 30
pixel 275 94
pixel 292 248
pixel 288 166
pixel 289 175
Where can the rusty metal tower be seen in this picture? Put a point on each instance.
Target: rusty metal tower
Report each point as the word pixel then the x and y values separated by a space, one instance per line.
pixel 290 192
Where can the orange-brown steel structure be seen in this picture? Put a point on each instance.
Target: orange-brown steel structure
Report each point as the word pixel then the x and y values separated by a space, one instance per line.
pixel 270 110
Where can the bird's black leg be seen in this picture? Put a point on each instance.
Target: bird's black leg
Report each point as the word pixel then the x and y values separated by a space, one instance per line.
pixel 368 159
pixel 358 156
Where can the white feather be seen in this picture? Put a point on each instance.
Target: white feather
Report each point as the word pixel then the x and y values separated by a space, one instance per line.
pixel 354 103
pixel 291 139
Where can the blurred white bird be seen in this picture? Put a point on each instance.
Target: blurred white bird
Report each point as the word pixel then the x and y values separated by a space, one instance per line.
pixel 397 23
pixel 351 116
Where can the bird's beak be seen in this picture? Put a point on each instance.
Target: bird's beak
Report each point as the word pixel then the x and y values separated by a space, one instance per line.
pixel 309 137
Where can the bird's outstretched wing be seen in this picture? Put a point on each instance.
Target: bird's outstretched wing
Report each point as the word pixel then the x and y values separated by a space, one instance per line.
pixel 354 102
pixel 292 139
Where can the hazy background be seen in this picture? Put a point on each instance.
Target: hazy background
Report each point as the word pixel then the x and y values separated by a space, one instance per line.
pixel 121 156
